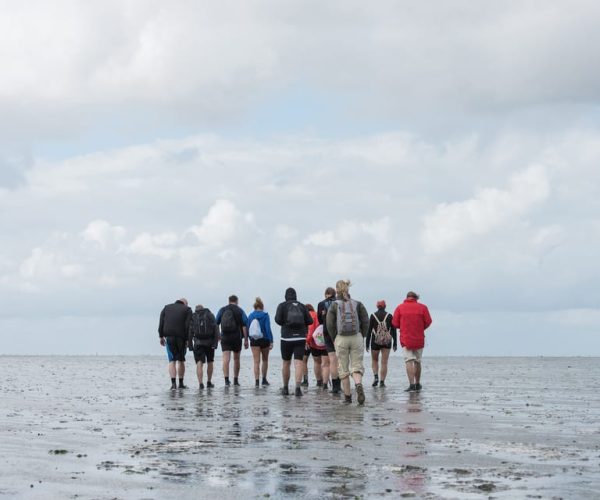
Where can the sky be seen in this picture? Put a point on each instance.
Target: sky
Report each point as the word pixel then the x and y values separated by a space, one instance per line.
pixel 153 151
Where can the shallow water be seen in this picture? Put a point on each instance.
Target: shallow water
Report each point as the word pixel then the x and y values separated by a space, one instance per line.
pixel 108 427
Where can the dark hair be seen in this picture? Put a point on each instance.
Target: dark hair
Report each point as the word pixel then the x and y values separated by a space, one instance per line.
pixel 329 292
pixel 258 304
pixel 412 295
pixel 309 307
pixel 233 298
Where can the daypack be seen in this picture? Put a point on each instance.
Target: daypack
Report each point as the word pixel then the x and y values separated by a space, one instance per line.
pixel 203 325
pixel 295 315
pixel 347 317
pixel 318 337
pixel 382 334
pixel 254 330
pixel 229 325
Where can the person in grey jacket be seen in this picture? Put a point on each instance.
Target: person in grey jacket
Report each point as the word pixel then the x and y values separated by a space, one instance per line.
pixel 348 324
pixel 203 338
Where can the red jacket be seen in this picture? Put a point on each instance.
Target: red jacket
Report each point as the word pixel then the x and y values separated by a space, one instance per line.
pixel 311 329
pixel 412 319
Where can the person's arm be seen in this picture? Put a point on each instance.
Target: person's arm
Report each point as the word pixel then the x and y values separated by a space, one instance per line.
pixel 372 321
pixel 426 317
pixel 279 314
pixel 245 329
pixel 331 320
pixel 161 326
pixel 190 336
pixel 363 317
pixel 216 335
pixel 393 332
pixel 307 317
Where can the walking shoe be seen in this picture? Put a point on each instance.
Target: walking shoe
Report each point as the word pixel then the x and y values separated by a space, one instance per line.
pixel 382 383
pixel 347 399
pixel 173 387
pixel 201 386
pixel 227 382
pixel 418 387
pixel 304 383
pixel 336 386
pixel 324 386
pixel 209 385
pixel 181 386
pixel 298 392
pixel 264 381
pixel 285 391
pixel 319 383
pixel 376 381
pixel 360 394
pixel 256 384
pixel 235 381
pixel 411 388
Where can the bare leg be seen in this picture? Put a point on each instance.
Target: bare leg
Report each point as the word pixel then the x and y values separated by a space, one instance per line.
pixel 285 372
pixel 385 356
pixel 172 370
pixel 375 362
pixel 199 366
pixel 325 369
pixel 180 369
pixel 265 361
pixel 317 367
pixel 346 386
pixel 298 370
pixel 333 365
pixel 411 371
pixel 305 366
pixel 357 376
pixel 226 358
pixel 209 371
pixel 417 372
pixel 236 364
pixel 256 359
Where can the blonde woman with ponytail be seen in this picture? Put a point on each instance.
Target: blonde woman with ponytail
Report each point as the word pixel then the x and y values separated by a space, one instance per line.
pixel 348 324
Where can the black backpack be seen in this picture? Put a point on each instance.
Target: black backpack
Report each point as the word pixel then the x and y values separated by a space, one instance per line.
pixel 229 325
pixel 295 315
pixel 203 325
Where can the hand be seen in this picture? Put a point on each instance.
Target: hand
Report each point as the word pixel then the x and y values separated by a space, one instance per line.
pixel 162 341
pixel 367 349
pixel 271 347
pixel 245 343
pixel 395 348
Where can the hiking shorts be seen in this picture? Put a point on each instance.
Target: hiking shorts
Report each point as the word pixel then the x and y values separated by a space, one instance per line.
pixel 204 354
pixel 293 348
pixel 317 353
pixel 329 345
pixel 378 347
pixel 176 348
pixel 349 350
pixel 412 354
pixel 262 343
pixel 231 344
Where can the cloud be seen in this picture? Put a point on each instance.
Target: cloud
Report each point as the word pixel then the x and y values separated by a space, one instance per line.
pixel 451 224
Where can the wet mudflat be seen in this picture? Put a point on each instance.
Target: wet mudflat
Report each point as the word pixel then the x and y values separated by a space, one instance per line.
pixel 102 427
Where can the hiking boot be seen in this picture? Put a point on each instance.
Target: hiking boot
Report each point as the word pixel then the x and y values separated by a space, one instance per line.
pixel 324 386
pixel 347 399
pixel 209 385
pixel 336 386
pixel 235 382
pixel 319 383
pixel 304 383
pixel 182 386
pixel 411 388
pixel 173 387
pixel 298 392
pixel 360 394
pixel 256 383
pixel 375 381
pixel 201 386
pixel 285 391
pixel 227 382
pixel 418 387
pixel 382 383
pixel 264 382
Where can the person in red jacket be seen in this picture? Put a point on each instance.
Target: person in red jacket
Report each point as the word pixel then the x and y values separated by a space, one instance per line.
pixel 412 318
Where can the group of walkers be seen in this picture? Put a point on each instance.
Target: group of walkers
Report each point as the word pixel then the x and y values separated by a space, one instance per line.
pixel 334 335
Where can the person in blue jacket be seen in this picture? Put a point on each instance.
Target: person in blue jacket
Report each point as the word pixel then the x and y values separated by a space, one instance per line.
pixel 261 340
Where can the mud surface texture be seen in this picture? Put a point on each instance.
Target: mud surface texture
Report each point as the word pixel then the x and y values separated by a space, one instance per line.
pixel 104 428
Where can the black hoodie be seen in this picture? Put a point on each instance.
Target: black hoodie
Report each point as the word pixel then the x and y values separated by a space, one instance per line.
pixel 292 332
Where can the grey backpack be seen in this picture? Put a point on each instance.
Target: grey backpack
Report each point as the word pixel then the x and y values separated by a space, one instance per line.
pixel 347 317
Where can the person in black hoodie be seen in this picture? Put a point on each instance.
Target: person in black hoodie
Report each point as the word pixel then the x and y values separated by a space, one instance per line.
pixel 173 332
pixel 380 338
pixel 293 317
